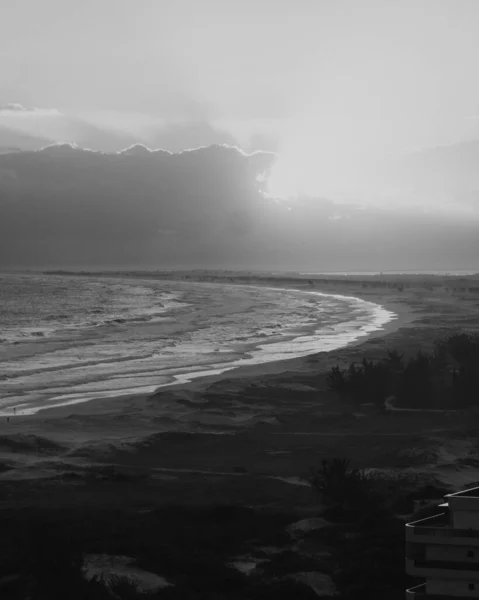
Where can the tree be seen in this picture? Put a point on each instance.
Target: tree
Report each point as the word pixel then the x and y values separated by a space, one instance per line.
pixel 338 483
pixel 394 360
pixel 336 380
pixel 415 387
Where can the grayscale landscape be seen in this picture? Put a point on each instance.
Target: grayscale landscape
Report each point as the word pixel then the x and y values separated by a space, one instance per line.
pixel 239 294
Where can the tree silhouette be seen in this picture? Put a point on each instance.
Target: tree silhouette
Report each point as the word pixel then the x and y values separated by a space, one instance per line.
pixel 337 481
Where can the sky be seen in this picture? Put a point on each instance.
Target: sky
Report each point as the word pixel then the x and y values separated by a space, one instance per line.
pixel 332 85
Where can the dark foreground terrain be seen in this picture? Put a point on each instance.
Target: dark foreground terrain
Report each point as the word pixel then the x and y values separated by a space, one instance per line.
pixel 239 487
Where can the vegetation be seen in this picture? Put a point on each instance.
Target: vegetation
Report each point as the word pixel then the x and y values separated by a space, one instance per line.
pixel 367 538
pixel 362 549
pixel 369 559
pixel 343 489
pixel 446 378
pixel 42 552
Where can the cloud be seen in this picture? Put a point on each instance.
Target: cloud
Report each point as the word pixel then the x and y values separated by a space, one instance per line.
pixel 15 109
pixel 179 136
pixel 136 150
pixel 137 206
pixel 62 146
pixel 201 208
pixel 167 231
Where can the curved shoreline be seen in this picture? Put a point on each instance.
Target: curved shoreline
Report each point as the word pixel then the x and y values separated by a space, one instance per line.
pixel 200 379
pixel 260 358
pixel 378 325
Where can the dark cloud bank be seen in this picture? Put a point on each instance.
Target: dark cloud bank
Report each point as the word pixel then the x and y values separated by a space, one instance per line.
pixel 66 207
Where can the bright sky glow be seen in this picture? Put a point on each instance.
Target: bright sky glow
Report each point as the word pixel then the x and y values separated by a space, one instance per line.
pixel 335 85
pixel 287 178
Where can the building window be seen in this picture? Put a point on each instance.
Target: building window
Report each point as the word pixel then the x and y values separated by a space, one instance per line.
pixel 471 587
pixel 470 554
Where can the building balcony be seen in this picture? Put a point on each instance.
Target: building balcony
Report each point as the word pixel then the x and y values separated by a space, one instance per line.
pixel 465 500
pixel 427 569
pixel 437 530
pixel 419 593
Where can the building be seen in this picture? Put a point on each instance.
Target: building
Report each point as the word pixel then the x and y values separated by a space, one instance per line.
pixel 443 550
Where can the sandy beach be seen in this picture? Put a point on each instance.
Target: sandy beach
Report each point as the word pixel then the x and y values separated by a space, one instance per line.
pixel 402 315
pixel 101 337
pixel 275 419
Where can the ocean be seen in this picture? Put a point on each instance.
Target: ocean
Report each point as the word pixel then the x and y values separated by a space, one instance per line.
pixel 67 339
